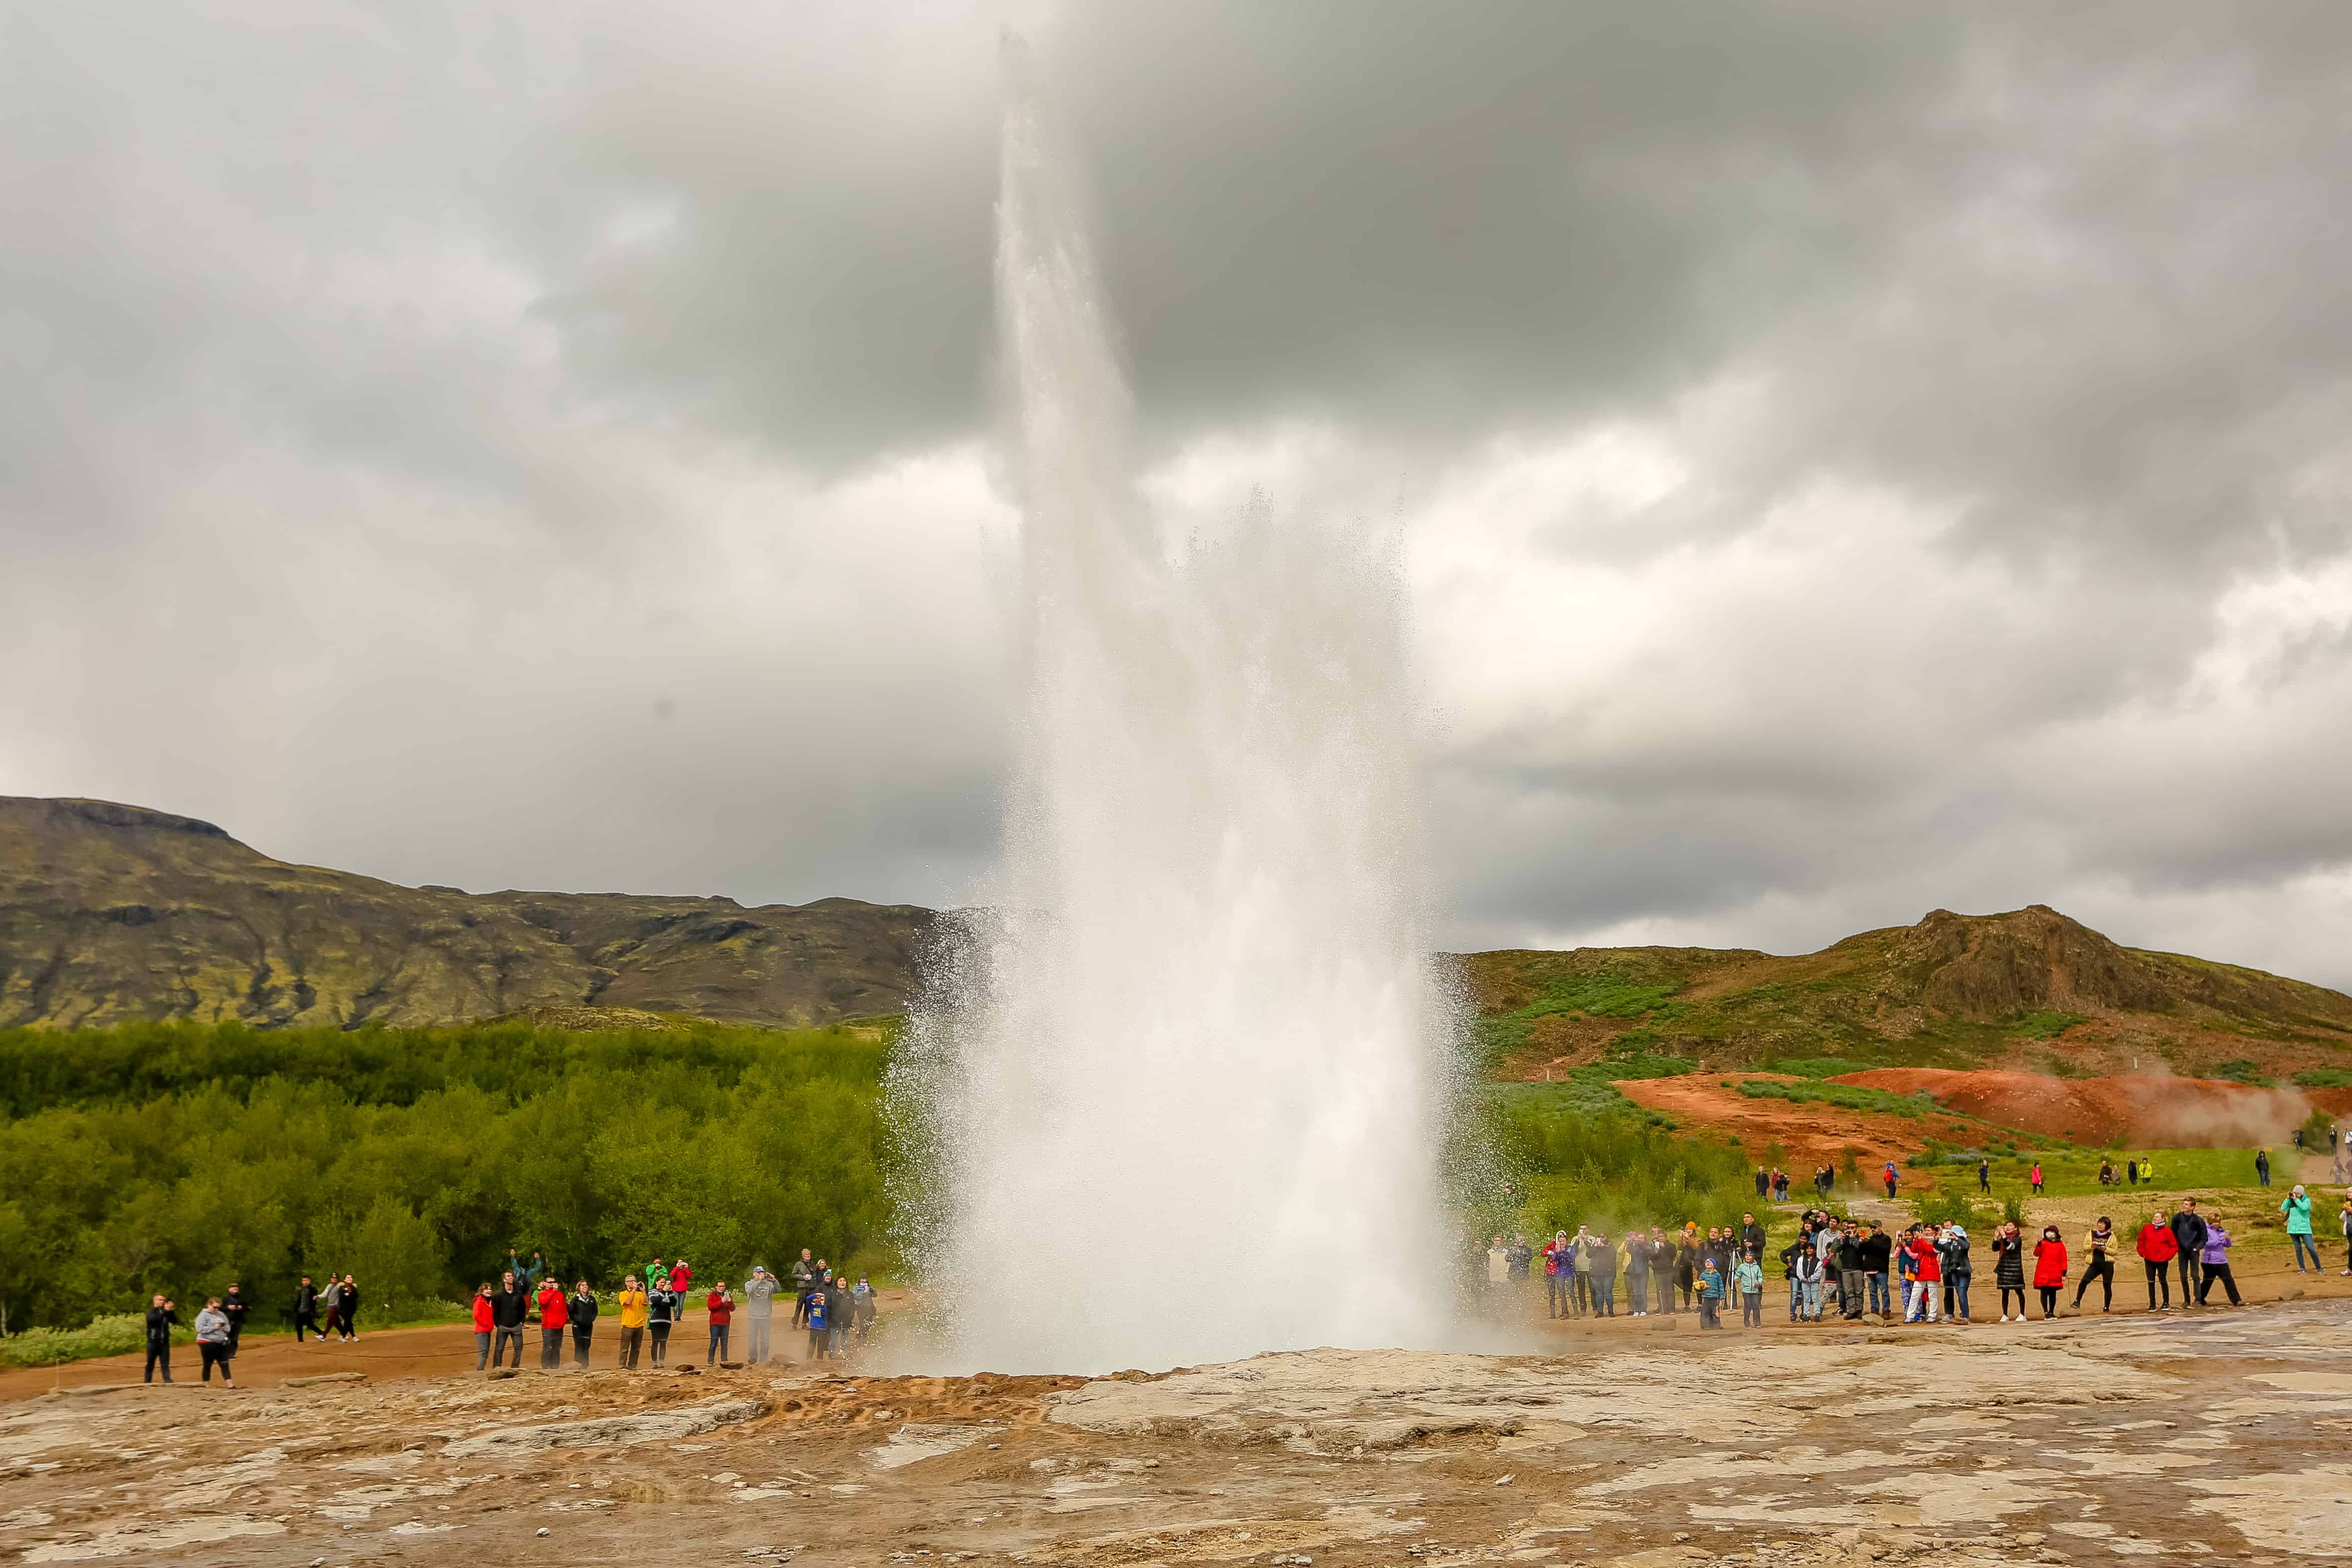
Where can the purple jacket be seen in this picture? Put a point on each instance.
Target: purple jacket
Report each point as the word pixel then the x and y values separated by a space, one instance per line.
pixel 2217 1243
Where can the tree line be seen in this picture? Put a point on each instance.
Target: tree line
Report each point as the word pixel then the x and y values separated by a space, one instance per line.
pixel 177 1157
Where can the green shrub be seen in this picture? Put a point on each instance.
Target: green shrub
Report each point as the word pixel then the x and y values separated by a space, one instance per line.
pixel 2323 1078
pixel 2242 1070
pixel 1614 1170
pixel 1952 1207
pixel 2044 1025
pixel 114 1335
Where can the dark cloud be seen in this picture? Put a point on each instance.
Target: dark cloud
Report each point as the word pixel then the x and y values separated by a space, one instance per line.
pixel 1855 460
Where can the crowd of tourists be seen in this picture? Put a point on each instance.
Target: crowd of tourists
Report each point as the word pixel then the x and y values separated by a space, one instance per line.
pixel 834 1311
pixel 650 1306
pixel 1849 1269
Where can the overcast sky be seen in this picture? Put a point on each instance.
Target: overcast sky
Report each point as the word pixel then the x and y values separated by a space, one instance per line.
pixel 1852 458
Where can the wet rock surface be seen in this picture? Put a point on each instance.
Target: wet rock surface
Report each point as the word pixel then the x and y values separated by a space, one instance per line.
pixel 2169 1440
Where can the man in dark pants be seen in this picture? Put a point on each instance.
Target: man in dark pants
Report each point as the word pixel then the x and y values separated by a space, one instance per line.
pixel 508 1307
pixel 803 1282
pixel 161 1321
pixel 1877 1249
pixel 2189 1232
pixel 306 1310
pixel 1849 1263
pixel 232 1306
pixel 1984 1176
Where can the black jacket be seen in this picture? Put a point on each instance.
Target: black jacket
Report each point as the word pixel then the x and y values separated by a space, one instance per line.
pixel 580 1310
pixel 1801 1247
pixel 306 1302
pixel 508 1309
pixel 1753 1239
pixel 2189 1230
pixel 234 1308
pixel 1877 1248
pixel 161 1322
pixel 1848 1255
pixel 1604 1261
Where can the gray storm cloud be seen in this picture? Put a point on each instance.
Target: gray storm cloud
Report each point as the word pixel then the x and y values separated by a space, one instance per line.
pixel 1852 462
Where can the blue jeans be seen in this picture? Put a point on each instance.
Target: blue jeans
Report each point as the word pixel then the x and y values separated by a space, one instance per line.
pixel 1809 1300
pixel 2304 1244
pixel 1959 1283
pixel 1878 1297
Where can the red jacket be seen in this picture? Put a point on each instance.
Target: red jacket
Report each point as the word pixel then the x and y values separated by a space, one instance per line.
pixel 2049 1264
pixel 483 1322
pixel 1930 1262
pixel 720 1308
pixel 680 1277
pixel 552 1315
pixel 2158 1244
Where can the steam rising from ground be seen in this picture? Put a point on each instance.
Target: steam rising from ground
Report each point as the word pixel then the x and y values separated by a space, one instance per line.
pixel 1181 1100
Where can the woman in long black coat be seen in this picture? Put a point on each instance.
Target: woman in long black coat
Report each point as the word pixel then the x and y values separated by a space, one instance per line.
pixel 2008 1269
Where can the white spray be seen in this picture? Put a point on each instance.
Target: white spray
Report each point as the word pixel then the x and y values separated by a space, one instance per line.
pixel 1181 1096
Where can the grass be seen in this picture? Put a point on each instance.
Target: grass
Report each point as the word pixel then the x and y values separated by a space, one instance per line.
pixel 2323 1078
pixel 1591 1090
pixel 2241 1072
pixel 1848 1096
pixel 2044 1025
pixel 1817 1066
pixel 2071 1172
pixel 1605 995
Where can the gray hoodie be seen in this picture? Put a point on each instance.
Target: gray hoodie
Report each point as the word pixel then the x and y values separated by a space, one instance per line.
pixel 211 1327
pixel 760 1291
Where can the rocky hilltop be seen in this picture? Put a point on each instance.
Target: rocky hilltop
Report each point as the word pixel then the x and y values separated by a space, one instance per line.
pixel 111 913
pixel 2031 988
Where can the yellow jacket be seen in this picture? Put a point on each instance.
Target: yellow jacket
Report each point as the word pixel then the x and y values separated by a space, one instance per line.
pixel 633 1308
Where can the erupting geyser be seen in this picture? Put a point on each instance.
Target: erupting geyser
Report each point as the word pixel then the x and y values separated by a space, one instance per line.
pixel 1182 1094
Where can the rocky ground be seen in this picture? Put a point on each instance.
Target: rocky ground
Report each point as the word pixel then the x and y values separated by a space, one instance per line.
pixel 2173 1439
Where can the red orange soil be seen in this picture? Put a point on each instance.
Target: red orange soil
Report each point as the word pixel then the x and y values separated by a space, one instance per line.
pixel 2145 1110
pixel 1811 1135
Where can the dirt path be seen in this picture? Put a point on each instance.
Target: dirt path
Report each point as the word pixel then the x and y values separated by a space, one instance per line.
pixel 380 1355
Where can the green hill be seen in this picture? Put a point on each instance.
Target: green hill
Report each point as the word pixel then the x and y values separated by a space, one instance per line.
pixel 112 914
pixel 2029 989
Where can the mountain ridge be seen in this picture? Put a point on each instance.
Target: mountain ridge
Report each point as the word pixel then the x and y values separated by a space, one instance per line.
pixel 111 913
pixel 2031 988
